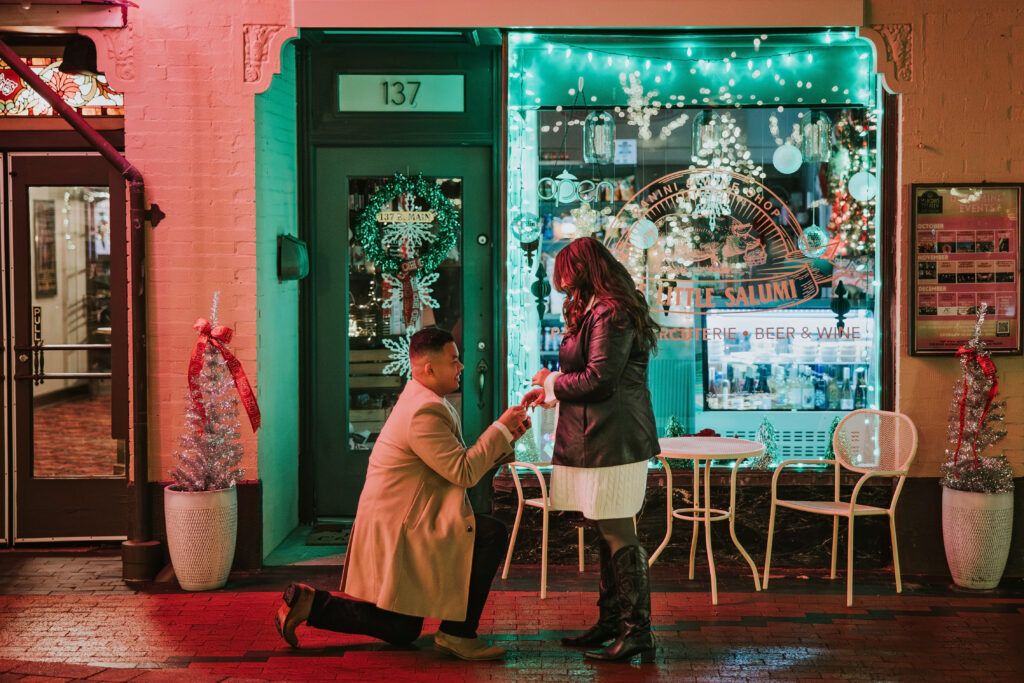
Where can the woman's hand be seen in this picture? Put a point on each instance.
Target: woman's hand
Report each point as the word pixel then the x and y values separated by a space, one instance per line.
pixel 538 379
pixel 533 398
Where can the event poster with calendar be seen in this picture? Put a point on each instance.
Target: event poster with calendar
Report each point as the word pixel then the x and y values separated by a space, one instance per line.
pixel 965 241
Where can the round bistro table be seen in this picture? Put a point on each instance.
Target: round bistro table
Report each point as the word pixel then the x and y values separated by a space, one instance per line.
pixel 704 449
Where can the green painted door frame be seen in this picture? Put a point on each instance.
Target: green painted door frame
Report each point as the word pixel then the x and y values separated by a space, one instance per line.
pixel 334 145
pixel 340 470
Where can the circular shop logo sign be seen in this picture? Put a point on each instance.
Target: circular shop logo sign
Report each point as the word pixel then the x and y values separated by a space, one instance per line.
pixel 699 232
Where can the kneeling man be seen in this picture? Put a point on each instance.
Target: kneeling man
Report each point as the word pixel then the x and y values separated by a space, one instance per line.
pixel 417 549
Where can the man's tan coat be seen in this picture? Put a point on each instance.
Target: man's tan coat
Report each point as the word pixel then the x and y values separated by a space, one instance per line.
pixel 412 540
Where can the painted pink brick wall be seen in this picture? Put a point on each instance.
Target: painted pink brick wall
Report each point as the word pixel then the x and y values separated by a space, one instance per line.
pixel 960 124
pixel 189 128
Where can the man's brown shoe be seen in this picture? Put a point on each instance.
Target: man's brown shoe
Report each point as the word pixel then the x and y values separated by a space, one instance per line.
pixel 470 649
pixel 298 601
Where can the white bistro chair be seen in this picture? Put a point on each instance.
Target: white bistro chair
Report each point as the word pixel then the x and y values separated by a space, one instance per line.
pixel 874 443
pixel 544 505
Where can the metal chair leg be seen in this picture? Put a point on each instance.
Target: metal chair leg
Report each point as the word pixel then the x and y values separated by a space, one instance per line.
pixel 579 544
pixel 835 544
pixel 768 551
pixel 512 539
pixel 544 555
pixel 895 553
pixel 849 564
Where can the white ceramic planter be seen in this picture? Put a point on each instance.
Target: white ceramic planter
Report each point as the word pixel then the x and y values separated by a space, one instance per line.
pixel 201 531
pixel 976 531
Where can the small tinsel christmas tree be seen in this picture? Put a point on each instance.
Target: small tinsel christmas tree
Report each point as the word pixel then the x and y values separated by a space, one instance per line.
pixel 674 428
pixel 210 448
pixel 972 423
pixel 830 452
pixel 769 436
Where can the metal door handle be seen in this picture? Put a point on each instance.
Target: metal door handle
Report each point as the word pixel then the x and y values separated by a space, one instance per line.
pixel 481 369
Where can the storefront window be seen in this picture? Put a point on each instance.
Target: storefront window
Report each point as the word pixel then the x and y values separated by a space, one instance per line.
pixel 737 177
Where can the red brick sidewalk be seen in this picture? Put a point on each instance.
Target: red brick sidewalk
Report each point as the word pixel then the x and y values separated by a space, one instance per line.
pixel 800 630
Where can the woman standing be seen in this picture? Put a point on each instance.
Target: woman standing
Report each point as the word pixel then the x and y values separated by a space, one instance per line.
pixel 605 434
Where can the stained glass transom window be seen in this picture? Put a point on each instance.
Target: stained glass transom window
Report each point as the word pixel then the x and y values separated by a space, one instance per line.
pixel 89 95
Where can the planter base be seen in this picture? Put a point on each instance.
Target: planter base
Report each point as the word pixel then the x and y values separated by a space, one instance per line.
pixel 976 531
pixel 201 531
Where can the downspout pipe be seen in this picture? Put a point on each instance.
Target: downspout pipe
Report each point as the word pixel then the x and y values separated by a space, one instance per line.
pixel 141 554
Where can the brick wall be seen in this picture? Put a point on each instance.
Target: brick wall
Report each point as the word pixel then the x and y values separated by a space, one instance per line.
pixel 961 123
pixel 189 128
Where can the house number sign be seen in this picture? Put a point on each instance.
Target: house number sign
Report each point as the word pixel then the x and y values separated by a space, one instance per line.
pixel 401 92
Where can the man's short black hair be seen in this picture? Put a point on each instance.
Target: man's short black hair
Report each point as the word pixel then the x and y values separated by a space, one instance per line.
pixel 429 340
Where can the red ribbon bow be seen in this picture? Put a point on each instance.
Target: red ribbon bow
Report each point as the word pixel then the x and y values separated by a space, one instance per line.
pixel 219 336
pixel 988 369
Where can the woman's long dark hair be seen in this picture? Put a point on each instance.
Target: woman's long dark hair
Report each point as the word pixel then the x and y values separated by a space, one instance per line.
pixel 584 269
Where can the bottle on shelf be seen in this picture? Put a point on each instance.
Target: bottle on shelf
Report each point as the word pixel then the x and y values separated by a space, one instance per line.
pixel 748 383
pixel 724 391
pixel 762 390
pixel 746 389
pixel 778 386
pixel 833 391
pixel 820 389
pixel 806 389
pixel 547 226
pixel 794 390
pixel 860 394
pixel 711 396
pixel 845 392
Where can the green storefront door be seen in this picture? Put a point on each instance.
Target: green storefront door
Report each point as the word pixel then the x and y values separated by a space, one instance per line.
pixel 354 308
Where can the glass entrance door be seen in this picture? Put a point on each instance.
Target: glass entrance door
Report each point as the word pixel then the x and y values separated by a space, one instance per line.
pixel 362 315
pixel 65 293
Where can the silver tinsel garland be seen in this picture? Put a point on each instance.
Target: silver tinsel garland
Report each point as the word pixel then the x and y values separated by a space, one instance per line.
pixel 990 474
pixel 209 452
pixel 769 436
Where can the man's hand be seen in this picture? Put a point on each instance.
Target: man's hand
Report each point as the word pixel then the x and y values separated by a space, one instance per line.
pixel 538 379
pixel 532 398
pixel 516 420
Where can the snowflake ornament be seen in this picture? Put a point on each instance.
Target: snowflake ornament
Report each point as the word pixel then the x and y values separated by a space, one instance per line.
pixel 408 236
pixel 640 108
pixel 710 191
pixel 422 291
pixel 399 355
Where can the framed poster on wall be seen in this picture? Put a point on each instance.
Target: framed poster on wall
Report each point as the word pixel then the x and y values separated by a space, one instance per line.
pixel 965 255
pixel 44 218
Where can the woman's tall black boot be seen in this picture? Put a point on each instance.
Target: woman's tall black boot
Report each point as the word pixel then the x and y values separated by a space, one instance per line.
pixel 607 626
pixel 633 586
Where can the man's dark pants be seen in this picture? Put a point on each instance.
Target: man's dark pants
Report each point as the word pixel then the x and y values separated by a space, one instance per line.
pixel 344 615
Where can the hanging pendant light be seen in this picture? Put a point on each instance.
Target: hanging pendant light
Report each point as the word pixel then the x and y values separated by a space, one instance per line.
pixel 816 132
pixel 598 137
pixel 707 132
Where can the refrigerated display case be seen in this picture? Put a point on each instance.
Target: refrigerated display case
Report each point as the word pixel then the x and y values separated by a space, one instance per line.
pixel 802 363
pixel 799 370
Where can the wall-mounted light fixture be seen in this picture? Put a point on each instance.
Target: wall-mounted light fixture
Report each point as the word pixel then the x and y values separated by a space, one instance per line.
pixel 292 258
